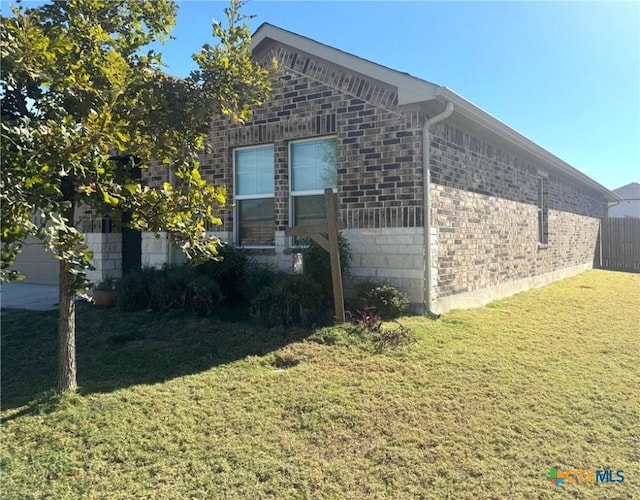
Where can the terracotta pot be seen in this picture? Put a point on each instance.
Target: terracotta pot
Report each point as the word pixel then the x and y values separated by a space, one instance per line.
pixel 105 298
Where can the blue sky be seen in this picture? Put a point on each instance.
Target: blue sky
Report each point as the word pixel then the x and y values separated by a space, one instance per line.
pixel 564 74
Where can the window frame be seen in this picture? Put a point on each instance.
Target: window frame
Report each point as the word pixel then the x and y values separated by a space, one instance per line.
pixel 262 196
pixel 542 210
pixel 310 192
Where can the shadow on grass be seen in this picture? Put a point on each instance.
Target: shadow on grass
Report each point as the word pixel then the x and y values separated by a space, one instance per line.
pixel 117 350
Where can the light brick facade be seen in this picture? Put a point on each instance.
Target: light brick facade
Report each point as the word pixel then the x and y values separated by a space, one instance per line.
pixel 107 255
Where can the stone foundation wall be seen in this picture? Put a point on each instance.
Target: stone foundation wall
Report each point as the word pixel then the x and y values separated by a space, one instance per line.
pixel 158 251
pixel 390 255
pixel 107 255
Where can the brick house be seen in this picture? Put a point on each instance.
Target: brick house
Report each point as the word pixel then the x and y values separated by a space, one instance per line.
pixel 500 215
pixel 630 204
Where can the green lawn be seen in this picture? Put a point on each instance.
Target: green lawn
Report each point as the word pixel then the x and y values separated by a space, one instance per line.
pixel 482 405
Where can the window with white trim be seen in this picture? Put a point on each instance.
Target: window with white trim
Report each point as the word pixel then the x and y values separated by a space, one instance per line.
pixel 253 194
pixel 543 227
pixel 313 168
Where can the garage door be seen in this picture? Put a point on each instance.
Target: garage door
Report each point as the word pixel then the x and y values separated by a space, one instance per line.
pixel 38 265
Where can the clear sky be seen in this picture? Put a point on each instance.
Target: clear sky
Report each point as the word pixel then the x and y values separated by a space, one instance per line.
pixel 564 74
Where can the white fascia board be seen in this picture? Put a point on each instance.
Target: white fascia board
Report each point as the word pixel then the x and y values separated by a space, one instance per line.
pixel 476 114
pixel 410 89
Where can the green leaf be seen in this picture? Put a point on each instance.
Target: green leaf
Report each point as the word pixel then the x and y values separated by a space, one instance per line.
pixel 109 199
pixel 122 136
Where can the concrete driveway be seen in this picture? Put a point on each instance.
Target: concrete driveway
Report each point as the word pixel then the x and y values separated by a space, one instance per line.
pixel 28 296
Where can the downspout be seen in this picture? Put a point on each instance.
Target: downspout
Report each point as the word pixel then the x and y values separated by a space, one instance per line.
pixel 426 200
pixel 615 205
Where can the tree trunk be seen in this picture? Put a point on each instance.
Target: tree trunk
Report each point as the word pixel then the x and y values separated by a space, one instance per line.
pixel 66 332
pixel 66 380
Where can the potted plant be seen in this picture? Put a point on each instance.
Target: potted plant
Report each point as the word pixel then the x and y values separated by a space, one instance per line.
pixel 104 293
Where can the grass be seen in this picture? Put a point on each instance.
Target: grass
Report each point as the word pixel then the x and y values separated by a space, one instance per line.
pixel 481 405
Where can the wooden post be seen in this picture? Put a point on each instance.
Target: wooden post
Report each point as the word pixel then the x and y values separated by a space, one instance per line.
pixel 334 253
pixel 330 244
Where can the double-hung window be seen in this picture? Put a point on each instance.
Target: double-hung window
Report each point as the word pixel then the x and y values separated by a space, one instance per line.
pixel 313 168
pixel 253 189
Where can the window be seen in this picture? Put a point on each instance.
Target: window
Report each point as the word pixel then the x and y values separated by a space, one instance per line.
pixel 254 186
pixel 543 229
pixel 313 168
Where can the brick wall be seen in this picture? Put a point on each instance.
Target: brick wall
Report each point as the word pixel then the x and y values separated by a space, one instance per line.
pixel 156 174
pixel 378 153
pixel 484 209
pixel 379 187
pixel 485 226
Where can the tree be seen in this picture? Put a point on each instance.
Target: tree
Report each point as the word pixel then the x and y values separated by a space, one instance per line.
pixel 78 88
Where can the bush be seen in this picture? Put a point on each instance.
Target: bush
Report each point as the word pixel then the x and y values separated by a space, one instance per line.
pixel 203 295
pixel 170 288
pixel 292 299
pixel 227 271
pixel 234 279
pixel 386 300
pixel 135 290
pixel 182 288
pixel 317 263
pixel 255 278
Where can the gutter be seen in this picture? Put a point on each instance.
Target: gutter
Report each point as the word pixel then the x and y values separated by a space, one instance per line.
pixel 615 204
pixel 481 117
pixel 426 200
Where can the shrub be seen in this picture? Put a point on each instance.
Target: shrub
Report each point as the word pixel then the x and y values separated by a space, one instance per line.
pixel 203 295
pixel 366 318
pixel 256 276
pixel 107 285
pixel 317 263
pixel 135 290
pixel 234 279
pixel 182 288
pixel 292 299
pixel 227 271
pixel 170 288
pixel 385 299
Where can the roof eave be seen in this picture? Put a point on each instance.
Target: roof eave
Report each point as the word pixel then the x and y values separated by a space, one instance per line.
pixel 412 90
pixel 476 114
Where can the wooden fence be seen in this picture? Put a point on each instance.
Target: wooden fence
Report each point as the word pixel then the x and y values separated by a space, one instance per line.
pixel 620 244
